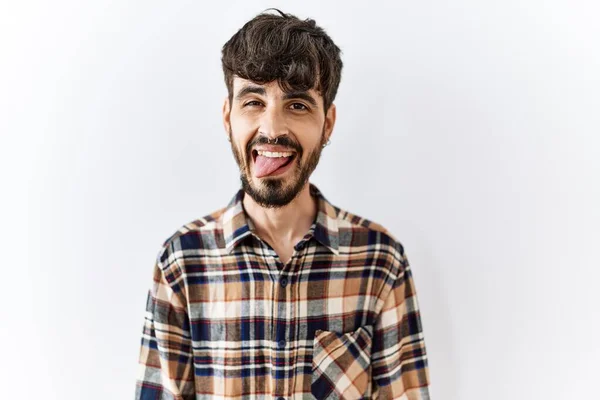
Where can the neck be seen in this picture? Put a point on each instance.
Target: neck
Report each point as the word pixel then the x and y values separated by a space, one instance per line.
pixel 287 224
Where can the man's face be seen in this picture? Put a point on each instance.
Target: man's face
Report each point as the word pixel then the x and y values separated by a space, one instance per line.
pixel 273 174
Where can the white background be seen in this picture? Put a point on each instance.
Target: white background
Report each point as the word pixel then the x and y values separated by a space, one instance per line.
pixel 469 129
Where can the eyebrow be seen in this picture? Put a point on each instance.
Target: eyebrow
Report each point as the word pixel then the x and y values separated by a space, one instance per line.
pixel 251 89
pixel 301 95
pixel 287 96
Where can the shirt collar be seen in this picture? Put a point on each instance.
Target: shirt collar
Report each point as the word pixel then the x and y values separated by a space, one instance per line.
pixel 237 225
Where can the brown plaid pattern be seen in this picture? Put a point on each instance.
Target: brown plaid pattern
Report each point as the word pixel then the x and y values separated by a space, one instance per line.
pixel 226 319
pixel 342 363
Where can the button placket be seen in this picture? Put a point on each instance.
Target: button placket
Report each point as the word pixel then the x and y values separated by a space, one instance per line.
pixel 286 328
pixel 280 328
pixel 298 260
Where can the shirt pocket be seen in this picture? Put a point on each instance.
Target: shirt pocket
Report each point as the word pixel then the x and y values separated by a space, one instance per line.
pixel 341 364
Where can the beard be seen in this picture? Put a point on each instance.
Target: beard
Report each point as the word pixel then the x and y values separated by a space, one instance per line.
pixel 276 192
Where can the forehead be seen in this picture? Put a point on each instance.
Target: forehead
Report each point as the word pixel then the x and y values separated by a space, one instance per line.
pixel 271 88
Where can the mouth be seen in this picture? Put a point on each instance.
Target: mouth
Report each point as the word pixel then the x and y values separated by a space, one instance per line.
pixel 272 163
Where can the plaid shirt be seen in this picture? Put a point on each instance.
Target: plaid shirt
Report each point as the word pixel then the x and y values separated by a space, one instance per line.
pixel 225 319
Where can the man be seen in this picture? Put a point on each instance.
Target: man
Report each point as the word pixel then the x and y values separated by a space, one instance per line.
pixel 281 295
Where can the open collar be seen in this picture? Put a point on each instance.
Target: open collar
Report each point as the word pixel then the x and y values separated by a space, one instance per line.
pixel 237 225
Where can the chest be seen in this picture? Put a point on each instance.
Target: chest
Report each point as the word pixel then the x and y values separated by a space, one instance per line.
pixel 284 252
pixel 256 297
pixel 250 313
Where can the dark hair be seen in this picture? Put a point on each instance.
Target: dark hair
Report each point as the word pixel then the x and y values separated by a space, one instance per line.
pixel 296 53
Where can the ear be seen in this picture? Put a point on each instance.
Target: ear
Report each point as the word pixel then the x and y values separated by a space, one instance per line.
pixel 329 122
pixel 226 116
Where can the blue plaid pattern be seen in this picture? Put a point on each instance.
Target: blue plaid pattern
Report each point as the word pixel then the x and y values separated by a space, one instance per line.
pixel 226 319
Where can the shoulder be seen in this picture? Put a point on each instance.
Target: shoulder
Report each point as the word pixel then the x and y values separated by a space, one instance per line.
pixel 201 233
pixel 362 234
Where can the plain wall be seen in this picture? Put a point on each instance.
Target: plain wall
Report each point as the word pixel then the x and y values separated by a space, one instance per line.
pixel 469 129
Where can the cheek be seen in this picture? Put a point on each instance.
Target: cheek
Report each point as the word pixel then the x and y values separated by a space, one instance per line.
pixel 241 134
pixel 308 130
pixel 241 124
pixel 309 139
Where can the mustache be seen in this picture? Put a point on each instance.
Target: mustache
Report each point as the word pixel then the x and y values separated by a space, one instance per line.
pixel 284 141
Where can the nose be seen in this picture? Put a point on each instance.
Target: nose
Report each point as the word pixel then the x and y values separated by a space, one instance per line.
pixel 273 123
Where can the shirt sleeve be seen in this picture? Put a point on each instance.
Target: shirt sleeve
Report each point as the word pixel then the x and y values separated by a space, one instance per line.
pixel 399 359
pixel 166 365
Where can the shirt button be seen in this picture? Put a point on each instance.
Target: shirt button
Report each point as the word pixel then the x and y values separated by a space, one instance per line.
pixel 281 344
pixel 283 282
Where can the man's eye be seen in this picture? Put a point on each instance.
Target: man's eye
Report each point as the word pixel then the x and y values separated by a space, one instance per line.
pixel 299 106
pixel 252 103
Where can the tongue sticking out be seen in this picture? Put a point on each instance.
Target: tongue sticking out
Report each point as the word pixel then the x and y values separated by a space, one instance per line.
pixel 264 166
